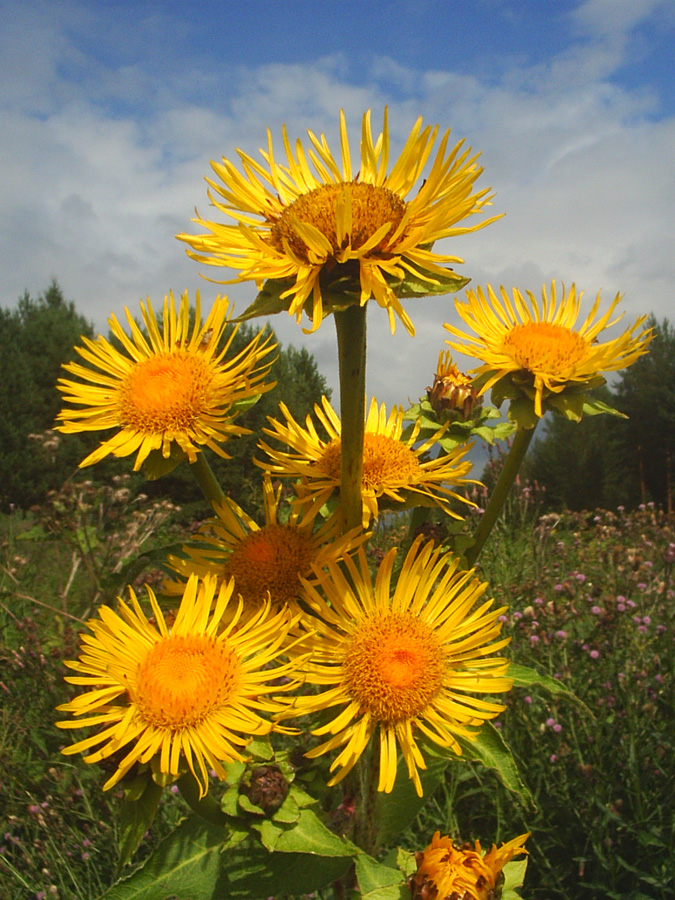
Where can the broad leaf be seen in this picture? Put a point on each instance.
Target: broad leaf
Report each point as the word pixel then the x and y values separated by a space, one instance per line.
pixel 490 750
pixel 137 813
pixel 306 835
pixel 432 284
pixel 198 862
pixel 514 877
pixel 378 881
pixel 395 811
pixel 525 677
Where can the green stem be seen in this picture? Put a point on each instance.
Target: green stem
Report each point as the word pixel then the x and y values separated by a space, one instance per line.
pixel 512 464
pixel 365 834
pixel 206 807
pixel 350 324
pixel 207 480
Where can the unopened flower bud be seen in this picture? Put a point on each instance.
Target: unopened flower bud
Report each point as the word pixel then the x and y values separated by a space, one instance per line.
pixel 453 395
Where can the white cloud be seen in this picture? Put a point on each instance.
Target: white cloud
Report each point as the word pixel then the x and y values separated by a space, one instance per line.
pixel 93 192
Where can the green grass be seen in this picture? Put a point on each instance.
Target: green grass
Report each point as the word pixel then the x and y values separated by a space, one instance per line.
pixel 575 585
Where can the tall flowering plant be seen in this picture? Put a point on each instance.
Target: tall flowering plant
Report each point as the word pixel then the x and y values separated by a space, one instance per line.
pixel 304 693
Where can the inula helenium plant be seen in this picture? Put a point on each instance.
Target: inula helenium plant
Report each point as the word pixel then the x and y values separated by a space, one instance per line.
pixel 303 688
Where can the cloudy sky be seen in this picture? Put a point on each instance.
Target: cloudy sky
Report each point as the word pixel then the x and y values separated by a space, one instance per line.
pixel 111 111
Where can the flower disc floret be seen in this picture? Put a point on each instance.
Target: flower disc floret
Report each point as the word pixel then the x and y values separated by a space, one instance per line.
pixel 265 561
pixel 541 342
pixel 403 662
pixel 189 696
pixel 313 222
pixel 395 469
pixel 173 389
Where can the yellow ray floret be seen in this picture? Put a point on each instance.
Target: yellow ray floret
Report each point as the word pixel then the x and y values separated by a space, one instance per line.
pixel 395 469
pixel 404 662
pixel 311 220
pixel 446 870
pixel 542 339
pixel 189 695
pixel 172 386
pixel 264 561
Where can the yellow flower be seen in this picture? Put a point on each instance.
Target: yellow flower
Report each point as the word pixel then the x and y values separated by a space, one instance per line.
pixel 268 560
pixel 194 690
pixel 394 469
pixel 447 872
pixel 539 342
pixel 316 230
pixel 173 386
pixel 403 662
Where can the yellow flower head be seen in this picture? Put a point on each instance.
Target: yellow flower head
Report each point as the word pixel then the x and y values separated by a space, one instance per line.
pixel 268 560
pixel 394 469
pixel 462 873
pixel 540 341
pixel 404 662
pixel 171 387
pixel 318 227
pixel 193 691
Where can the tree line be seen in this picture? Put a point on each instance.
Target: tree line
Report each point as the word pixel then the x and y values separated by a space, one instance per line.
pixel 607 461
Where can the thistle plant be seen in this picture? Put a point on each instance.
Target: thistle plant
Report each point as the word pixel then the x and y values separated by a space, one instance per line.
pixel 304 696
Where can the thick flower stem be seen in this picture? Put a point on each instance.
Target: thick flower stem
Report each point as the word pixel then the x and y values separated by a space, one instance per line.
pixel 208 808
pixel 351 338
pixel 512 463
pixel 207 480
pixel 365 833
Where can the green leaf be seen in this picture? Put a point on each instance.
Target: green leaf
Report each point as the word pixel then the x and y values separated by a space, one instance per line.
pixel 525 677
pixel 514 877
pixel 87 538
pixel 136 816
pixel 430 284
pixel 307 835
pixel 157 465
pixel 521 411
pixel 490 749
pixel 190 864
pixel 269 300
pixel 372 875
pixel 395 811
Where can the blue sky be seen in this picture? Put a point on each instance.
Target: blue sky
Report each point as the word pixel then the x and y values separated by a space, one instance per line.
pixel 111 111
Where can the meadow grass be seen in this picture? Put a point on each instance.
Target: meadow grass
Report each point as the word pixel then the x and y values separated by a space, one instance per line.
pixel 590 602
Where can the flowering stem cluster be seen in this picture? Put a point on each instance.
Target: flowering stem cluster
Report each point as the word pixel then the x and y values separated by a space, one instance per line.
pixel 290 619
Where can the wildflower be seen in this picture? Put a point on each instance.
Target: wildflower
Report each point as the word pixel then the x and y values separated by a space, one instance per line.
pixel 452 395
pixel 596 610
pixel 594 654
pixel 401 662
pixel 536 345
pixel 195 690
pixel 172 390
pixel 264 561
pixel 314 231
pixel 395 470
pixel 445 870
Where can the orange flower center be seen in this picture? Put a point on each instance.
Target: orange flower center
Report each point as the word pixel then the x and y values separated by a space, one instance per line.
pixel 543 347
pixel 372 206
pixel 386 462
pixel 271 559
pixel 394 666
pixel 165 393
pixel 183 679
